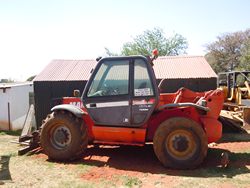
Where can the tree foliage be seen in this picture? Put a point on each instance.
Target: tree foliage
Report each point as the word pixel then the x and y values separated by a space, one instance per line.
pixel 245 58
pixel 31 78
pixel 7 80
pixel 143 44
pixel 229 51
pixel 109 53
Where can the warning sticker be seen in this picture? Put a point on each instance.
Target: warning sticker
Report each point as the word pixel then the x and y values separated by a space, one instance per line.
pixel 142 92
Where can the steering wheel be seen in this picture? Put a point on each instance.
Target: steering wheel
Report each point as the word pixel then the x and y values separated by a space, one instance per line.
pixel 106 90
pixel 115 92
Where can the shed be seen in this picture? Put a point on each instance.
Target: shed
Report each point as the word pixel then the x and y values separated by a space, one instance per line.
pixel 61 77
pixel 15 99
pixel 192 72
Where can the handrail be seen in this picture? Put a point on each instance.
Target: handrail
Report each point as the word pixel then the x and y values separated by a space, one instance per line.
pixel 172 105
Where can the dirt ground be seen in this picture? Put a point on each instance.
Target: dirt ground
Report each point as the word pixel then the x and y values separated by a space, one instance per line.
pixel 124 166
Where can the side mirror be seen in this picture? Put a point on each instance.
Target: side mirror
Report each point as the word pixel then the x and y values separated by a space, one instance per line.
pixel 76 93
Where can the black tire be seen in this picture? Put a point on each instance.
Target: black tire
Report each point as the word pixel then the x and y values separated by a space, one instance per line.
pixel 180 143
pixel 63 136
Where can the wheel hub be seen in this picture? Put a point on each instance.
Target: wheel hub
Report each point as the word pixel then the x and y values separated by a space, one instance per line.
pixel 61 137
pixel 180 143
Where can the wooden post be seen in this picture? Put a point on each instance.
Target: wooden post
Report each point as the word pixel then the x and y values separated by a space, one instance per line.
pixel 9 116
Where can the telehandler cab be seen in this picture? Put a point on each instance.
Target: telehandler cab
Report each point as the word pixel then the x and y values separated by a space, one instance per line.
pixel 121 105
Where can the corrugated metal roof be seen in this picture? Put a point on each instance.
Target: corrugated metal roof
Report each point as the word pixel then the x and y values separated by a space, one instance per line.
pixel 66 70
pixel 168 67
pixel 183 67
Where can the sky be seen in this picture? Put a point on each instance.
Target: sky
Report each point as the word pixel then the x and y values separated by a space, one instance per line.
pixel 34 32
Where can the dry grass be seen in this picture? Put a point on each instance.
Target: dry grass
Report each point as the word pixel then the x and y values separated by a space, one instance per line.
pixel 31 171
pixel 111 168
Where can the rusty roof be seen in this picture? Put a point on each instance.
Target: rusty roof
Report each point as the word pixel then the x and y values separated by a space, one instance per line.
pixel 174 67
pixel 66 70
pixel 168 67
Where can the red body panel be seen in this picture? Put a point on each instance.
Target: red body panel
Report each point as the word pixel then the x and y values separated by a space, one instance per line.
pixel 114 135
pixel 106 134
pixel 138 136
pixel 208 121
pixel 158 118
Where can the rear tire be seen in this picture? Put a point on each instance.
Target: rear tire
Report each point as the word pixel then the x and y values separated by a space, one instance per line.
pixel 180 143
pixel 63 136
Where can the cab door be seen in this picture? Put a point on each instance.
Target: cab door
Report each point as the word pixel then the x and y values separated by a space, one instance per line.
pixel 113 97
pixel 145 92
pixel 106 96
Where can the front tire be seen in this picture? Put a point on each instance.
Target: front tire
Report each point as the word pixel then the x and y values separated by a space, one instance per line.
pixel 63 136
pixel 180 143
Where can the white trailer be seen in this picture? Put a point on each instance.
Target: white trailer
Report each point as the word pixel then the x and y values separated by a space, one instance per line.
pixel 14 104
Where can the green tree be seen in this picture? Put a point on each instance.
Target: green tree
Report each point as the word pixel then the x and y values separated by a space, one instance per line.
pixel 227 51
pixel 7 80
pixel 109 53
pixel 245 59
pixel 31 78
pixel 143 44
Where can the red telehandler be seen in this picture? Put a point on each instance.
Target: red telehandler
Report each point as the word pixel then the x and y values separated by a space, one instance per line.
pixel 121 105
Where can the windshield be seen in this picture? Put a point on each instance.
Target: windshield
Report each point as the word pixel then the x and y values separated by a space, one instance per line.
pixel 112 78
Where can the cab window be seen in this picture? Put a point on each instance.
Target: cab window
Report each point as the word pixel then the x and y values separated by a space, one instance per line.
pixel 111 79
pixel 142 83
